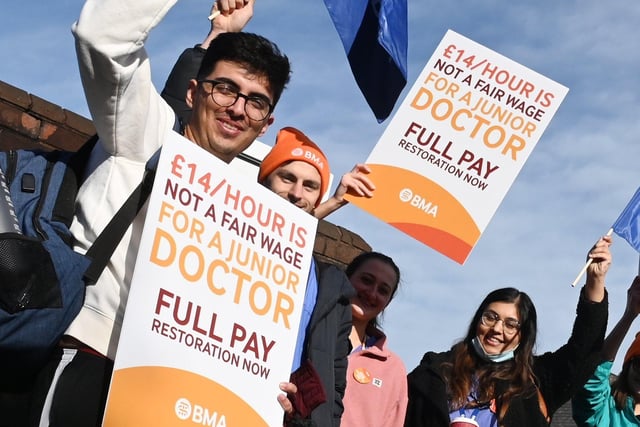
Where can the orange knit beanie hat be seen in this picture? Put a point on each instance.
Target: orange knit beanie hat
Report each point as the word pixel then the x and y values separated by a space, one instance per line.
pixel 293 145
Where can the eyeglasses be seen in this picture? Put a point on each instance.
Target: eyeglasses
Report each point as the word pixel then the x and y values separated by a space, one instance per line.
pixel 226 94
pixel 490 318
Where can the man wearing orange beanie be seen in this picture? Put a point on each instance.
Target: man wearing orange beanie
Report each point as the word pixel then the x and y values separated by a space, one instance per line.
pixel 297 170
pixel 294 150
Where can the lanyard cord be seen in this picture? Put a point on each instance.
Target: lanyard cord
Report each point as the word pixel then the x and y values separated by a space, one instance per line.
pixel 474 414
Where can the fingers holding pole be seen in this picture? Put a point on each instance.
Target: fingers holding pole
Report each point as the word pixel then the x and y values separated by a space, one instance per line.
pixel 588 263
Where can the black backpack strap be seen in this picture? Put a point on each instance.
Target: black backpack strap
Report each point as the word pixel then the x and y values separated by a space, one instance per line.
pixel 105 244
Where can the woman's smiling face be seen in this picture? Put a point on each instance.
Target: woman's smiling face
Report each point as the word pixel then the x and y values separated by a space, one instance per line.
pixel 498 329
pixel 375 282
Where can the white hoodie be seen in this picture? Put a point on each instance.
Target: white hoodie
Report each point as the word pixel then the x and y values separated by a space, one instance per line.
pixel 132 121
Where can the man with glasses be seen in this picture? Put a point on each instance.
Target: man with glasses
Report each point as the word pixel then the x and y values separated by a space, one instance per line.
pixel 240 80
pixel 185 70
pixel 318 379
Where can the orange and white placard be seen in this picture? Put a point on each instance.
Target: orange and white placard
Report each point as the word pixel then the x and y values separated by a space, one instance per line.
pixel 456 144
pixel 216 298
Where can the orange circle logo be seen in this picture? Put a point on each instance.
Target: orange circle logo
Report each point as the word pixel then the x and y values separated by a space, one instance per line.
pixel 362 376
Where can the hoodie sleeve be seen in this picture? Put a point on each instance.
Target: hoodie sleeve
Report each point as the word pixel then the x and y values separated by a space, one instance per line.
pixel 128 113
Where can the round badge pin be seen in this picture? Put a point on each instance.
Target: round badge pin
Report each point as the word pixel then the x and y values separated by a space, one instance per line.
pixel 362 375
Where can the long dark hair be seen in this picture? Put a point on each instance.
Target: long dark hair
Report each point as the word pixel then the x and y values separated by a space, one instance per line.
pixel 363 258
pixel 620 386
pixel 501 381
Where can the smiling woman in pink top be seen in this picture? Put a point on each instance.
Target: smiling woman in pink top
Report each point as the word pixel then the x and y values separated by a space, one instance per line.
pixel 376 392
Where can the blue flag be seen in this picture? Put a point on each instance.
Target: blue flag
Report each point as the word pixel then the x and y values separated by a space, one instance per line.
pixel 374 36
pixel 627 225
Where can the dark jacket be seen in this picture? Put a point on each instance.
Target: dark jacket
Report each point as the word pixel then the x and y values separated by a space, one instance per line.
pixel 559 373
pixel 327 340
pixel 175 88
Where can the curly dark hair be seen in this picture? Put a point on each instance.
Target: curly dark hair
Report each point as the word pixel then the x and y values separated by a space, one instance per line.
pixel 256 53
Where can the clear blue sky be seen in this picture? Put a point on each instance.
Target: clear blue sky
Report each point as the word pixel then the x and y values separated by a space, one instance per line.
pixel 575 183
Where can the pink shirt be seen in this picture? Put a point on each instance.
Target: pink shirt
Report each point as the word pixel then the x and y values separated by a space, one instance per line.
pixel 376 392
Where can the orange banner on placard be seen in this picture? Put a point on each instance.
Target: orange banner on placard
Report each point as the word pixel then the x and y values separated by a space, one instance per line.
pixel 432 216
pixel 177 396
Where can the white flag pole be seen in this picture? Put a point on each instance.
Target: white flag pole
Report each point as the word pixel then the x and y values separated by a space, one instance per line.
pixel 589 261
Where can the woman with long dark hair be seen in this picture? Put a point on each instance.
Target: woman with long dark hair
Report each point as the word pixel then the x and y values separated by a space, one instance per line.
pixel 491 378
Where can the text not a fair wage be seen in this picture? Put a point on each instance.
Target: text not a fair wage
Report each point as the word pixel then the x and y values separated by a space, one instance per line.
pixel 228 266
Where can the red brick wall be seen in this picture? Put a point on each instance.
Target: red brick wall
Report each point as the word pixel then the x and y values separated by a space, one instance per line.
pixel 27 121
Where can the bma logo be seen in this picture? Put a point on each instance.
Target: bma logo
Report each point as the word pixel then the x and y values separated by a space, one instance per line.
pixel 183 409
pixel 198 414
pixel 309 155
pixel 407 196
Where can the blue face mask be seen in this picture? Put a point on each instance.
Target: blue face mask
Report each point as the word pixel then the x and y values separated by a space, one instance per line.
pixel 495 358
